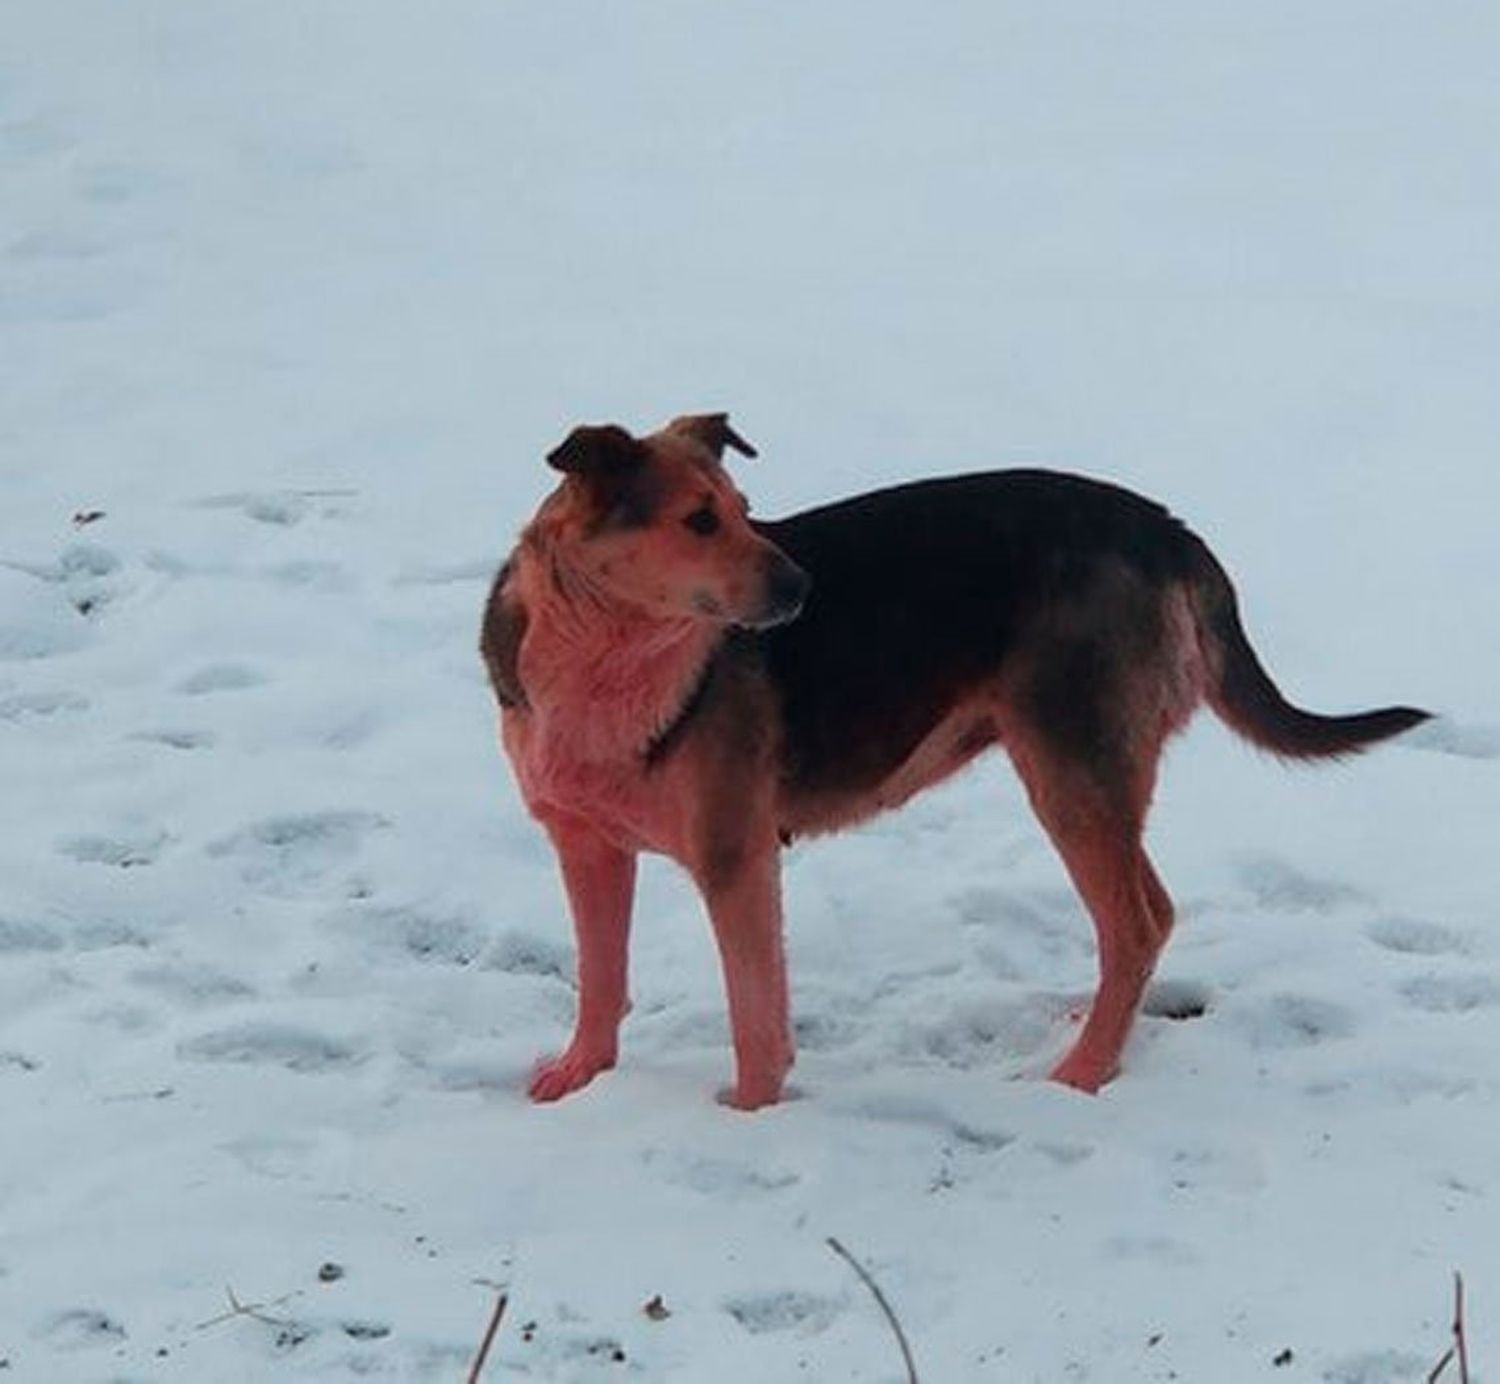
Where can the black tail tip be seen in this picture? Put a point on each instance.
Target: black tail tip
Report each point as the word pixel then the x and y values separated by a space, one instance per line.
pixel 1376 726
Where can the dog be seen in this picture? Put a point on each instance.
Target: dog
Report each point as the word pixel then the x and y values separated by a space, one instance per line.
pixel 674 676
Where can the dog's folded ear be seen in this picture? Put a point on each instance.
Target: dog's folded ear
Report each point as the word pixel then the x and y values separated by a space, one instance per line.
pixel 713 431
pixel 597 451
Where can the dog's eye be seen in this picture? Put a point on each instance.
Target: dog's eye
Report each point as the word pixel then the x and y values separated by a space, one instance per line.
pixel 702 522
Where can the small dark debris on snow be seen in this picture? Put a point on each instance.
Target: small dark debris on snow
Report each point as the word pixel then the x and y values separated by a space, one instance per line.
pixel 290 1337
pixel 656 1310
pixel 330 1272
pixel 1284 1359
pixel 366 1331
pixel 84 517
pixel 528 1332
pixel 1154 1340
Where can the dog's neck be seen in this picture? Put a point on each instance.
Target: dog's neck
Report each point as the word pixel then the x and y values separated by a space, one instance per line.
pixel 603 681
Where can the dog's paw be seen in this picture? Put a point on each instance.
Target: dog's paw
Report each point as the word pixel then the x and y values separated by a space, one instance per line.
pixel 761 1076
pixel 555 1077
pixel 1084 1073
pixel 753 1095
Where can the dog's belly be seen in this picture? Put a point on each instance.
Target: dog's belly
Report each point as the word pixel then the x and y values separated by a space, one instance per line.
pixel 964 732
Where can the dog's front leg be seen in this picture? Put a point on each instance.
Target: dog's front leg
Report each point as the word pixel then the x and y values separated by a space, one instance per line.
pixel 600 881
pixel 744 904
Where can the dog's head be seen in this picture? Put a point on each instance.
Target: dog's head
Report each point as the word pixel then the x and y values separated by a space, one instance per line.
pixel 656 524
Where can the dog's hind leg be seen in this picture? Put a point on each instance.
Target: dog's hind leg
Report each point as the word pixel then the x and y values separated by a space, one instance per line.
pixel 600 881
pixel 744 904
pixel 1094 817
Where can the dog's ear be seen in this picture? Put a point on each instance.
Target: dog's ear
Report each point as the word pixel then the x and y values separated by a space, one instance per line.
pixel 712 430
pixel 597 452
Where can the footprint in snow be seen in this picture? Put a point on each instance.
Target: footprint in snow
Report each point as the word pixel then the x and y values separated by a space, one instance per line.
pixel 271 1156
pixel 90 575
pixel 124 852
pixel 81 1328
pixel 1177 1000
pixel 1045 924
pixel 1297 1021
pixel 33 137
pixel 36 619
pixel 1280 887
pixel 820 1031
pixel 413 934
pixel 221 677
pixel 326 577
pixel 1063 1154
pixel 286 853
pixel 805 1314
pixel 192 986
pixel 982 1033
pixel 18 936
pixel 20 706
pixel 892 1108
pixel 276 1045
pixel 529 954
pixel 534 1348
pixel 1413 937
pixel 177 739
pixel 105 934
pixel 1410 1086
pixel 1453 994
pixel 282 508
pixel 720 1177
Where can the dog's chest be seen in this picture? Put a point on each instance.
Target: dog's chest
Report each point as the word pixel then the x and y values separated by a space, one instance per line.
pixel 621 799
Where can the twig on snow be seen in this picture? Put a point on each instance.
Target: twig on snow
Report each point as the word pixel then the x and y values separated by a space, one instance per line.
pixel 256 1311
pixel 885 1306
pixel 1459 1350
pixel 489 1338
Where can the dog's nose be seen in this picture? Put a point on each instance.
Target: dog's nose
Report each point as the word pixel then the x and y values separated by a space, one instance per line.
pixel 787 586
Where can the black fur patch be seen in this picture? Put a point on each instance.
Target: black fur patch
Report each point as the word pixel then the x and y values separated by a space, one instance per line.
pixel 922 592
pixel 500 641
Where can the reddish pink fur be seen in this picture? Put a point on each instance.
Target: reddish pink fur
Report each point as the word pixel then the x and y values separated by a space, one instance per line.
pixel 602 678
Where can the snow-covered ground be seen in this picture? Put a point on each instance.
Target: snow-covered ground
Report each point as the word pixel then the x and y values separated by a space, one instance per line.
pixel 293 299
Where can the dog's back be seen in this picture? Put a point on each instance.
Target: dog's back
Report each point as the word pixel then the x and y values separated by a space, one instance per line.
pixel 923 593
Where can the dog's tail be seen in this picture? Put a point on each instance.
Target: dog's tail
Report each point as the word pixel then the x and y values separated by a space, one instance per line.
pixel 1243 696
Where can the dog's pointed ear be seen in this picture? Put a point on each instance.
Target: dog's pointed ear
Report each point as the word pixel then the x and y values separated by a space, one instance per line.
pixel 597 452
pixel 712 430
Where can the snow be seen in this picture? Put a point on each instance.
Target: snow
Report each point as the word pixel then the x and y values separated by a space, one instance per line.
pixel 295 297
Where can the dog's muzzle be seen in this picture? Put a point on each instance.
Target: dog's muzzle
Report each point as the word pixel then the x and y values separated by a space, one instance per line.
pixel 786 588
